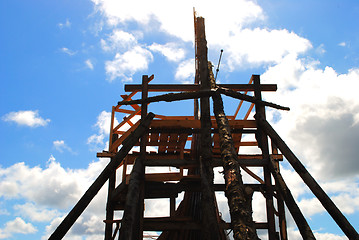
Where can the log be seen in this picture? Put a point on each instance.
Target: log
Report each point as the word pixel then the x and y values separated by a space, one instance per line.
pixel 327 203
pixel 85 200
pixel 196 87
pixel 171 97
pixel 130 221
pixel 244 97
pixel 239 197
pixel 209 213
pixel 284 191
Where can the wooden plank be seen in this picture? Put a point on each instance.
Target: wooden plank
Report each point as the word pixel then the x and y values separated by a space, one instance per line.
pixel 85 200
pixel 194 87
pixel 197 124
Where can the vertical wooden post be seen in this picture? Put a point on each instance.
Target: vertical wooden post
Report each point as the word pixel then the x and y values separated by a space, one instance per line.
pixel 209 213
pixel 262 140
pixel 109 207
pixel 281 210
pixel 143 143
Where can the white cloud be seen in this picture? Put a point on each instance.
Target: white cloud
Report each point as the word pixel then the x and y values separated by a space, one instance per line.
pixel 58 192
pixel 67 24
pixel 170 50
pixel 89 64
pixel 247 46
pixel 342 44
pixel 118 40
pixel 26 118
pixel 36 213
pixel 125 65
pixel 164 15
pixel 61 146
pixel 17 225
pixel 68 51
pixel 186 71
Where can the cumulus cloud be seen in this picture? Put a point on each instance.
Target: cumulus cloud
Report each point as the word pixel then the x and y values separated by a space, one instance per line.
pixel 118 40
pixel 36 213
pixel 186 71
pixel 18 225
pixel 322 126
pixel 170 50
pixel 26 118
pixel 58 192
pixel 125 65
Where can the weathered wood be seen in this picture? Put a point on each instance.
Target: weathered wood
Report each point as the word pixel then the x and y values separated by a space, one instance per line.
pixel 262 140
pixel 85 200
pixel 244 97
pixel 239 198
pixel 195 87
pixel 209 214
pixel 130 223
pixel 327 203
pixel 171 97
pixel 284 191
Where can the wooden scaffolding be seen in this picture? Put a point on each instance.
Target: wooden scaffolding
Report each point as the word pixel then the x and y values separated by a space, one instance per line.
pixel 194 145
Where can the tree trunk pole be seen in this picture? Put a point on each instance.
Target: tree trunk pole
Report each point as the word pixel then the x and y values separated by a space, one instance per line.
pixel 239 198
pixel 209 213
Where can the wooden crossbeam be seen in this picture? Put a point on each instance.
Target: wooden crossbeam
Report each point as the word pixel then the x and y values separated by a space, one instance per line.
pixel 195 87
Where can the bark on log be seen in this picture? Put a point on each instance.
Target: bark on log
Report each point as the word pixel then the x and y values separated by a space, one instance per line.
pixel 171 97
pixel 298 217
pixel 209 213
pixel 240 96
pixel 239 197
pixel 327 203
pixel 85 200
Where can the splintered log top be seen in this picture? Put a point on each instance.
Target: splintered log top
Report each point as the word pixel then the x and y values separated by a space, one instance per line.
pixel 194 87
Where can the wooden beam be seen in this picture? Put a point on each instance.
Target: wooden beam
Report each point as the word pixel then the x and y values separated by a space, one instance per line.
pixel 195 87
pixel 239 198
pixel 85 200
pixel 171 97
pixel 197 124
pixel 262 140
pixel 240 96
pixel 284 191
pixel 210 226
pixel 327 203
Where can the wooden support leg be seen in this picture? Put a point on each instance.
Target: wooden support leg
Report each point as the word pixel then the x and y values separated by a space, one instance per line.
pixel 298 217
pixel 85 200
pixel 327 203
pixel 262 140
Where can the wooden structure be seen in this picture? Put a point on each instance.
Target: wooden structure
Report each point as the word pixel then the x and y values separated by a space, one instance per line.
pixel 194 145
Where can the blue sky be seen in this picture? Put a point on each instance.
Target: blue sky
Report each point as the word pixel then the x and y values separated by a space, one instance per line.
pixel 63 64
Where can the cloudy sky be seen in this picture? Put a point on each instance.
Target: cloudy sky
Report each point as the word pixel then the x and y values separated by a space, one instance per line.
pixel 63 64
